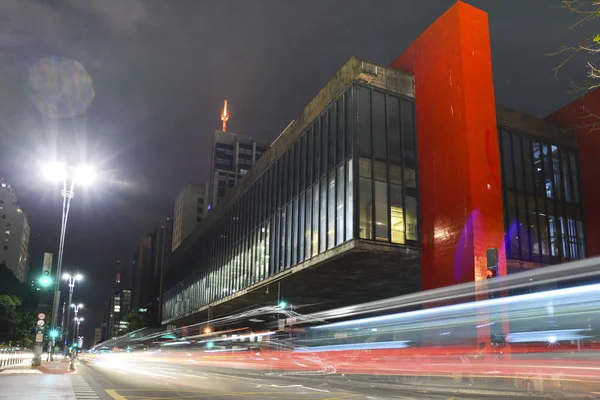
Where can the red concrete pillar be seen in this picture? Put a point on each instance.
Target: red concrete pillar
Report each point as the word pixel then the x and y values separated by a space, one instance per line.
pixel 459 159
pixel 583 116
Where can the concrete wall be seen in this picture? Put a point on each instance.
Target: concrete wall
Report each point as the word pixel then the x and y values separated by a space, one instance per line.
pixel 541 128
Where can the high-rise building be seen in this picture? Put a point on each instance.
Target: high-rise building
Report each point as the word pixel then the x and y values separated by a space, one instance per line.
pixel 119 308
pixel 97 336
pixel 189 211
pixel 160 258
pixel 232 156
pixel 142 274
pixel 15 231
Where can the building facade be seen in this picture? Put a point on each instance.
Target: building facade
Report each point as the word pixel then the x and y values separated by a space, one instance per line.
pixel 142 274
pixel 394 180
pixel 190 209
pixel 340 180
pixel 15 227
pixel 232 156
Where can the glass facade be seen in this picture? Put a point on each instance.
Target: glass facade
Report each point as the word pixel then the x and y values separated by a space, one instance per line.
pixel 543 211
pixel 305 202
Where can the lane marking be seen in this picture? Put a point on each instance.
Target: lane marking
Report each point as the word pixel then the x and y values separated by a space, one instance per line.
pixel 113 393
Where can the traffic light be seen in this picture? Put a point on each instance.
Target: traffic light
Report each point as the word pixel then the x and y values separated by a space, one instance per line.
pixel 282 304
pixel 53 333
pixel 45 280
pixel 210 345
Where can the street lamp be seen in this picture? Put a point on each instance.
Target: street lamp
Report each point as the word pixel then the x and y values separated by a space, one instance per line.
pixel 56 172
pixel 76 328
pixel 71 280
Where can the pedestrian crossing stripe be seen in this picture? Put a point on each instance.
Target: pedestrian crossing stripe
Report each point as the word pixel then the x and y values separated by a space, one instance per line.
pixel 82 390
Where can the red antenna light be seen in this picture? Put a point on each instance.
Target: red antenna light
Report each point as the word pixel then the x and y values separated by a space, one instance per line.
pixel 225 117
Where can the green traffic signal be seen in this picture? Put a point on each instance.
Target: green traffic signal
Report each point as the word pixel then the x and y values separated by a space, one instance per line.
pixel 53 334
pixel 45 281
pixel 210 345
pixel 282 304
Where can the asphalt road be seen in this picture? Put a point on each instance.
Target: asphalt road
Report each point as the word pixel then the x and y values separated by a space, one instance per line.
pixel 156 381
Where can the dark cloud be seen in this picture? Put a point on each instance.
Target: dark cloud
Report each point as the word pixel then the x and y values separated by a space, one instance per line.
pixel 161 69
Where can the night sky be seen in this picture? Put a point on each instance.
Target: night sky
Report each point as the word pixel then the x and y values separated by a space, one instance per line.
pixel 159 73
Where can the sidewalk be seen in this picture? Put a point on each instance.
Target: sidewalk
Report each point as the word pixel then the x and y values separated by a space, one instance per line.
pixel 51 381
pixel 48 368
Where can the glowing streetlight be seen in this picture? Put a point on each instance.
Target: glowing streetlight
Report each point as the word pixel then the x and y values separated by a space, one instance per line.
pixel 56 172
pixel 71 279
pixel 84 175
pixel 207 330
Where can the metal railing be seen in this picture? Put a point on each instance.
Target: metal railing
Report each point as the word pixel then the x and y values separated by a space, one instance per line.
pixel 10 357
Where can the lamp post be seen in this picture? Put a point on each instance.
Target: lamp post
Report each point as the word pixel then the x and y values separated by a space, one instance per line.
pixel 76 328
pixel 57 172
pixel 71 280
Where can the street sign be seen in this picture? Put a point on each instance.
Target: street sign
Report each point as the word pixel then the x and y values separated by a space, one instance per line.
pixel 41 316
pixel 39 337
pixel 40 322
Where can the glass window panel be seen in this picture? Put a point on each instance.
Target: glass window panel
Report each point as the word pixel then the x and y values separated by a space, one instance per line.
pixel 283 241
pixel 272 244
pixel 534 235
pixel 545 237
pixel 573 245
pixel 317 152
pixel 555 160
pixel 412 219
pixel 339 220
pixel 324 142
pixel 350 115
pixel 548 174
pixel 296 170
pixel 364 167
pixel 349 201
pixel 518 161
pixel 397 214
pixel 340 131
pixel 308 226
pixel 331 211
pixel 581 238
pixel 291 173
pixel 315 222
pixel 395 174
pixel 538 169
pixel 323 217
pixel 381 211
pixel 378 115
pixel 332 136
pixel 288 236
pixel 574 177
pixel 524 237
pixel 267 249
pixel 380 171
pixel 566 179
pixel 410 178
pixel 408 133
pixel 366 208
pixel 564 234
pixel 393 130
pixel 309 161
pixel 528 165
pixel 303 163
pixel 363 128
pixel 284 178
pixel 301 221
pixel 294 228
